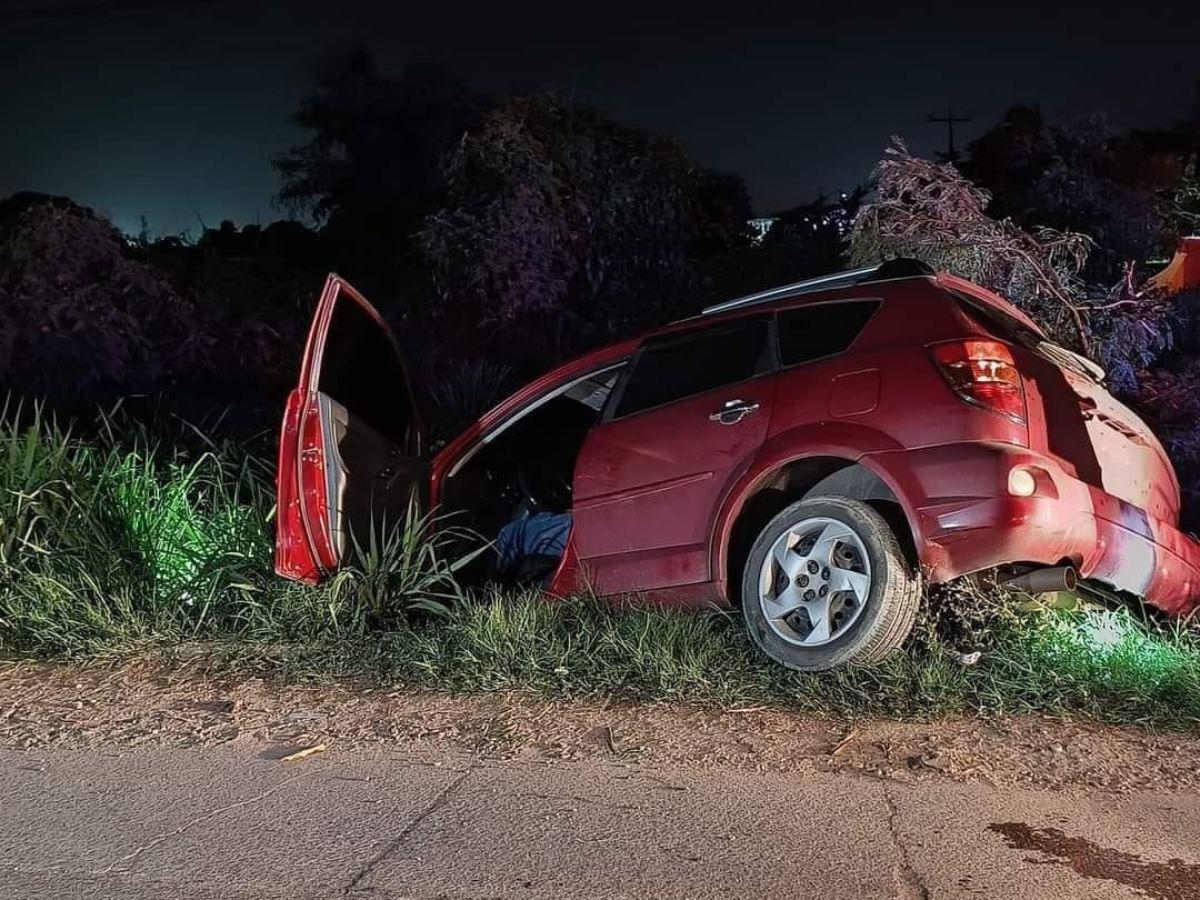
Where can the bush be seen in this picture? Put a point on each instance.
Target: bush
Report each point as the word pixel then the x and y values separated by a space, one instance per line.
pixel 79 316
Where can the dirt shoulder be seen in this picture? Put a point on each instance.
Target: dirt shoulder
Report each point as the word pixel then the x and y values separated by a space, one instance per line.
pixel 148 704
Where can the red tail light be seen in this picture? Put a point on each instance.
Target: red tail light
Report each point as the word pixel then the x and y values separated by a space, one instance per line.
pixel 984 374
pixel 304 542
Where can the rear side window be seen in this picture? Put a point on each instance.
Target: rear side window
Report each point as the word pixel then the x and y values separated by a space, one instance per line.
pixel 673 367
pixel 812 332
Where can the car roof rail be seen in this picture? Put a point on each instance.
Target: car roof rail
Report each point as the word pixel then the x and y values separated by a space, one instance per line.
pixel 892 268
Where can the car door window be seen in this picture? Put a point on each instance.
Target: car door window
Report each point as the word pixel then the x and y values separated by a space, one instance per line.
pixel 814 332
pixel 674 367
pixel 362 370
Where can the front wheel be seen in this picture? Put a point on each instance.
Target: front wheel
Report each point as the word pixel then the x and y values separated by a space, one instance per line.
pixel 827 584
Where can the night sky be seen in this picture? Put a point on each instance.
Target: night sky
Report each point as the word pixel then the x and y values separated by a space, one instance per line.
pixel 172 109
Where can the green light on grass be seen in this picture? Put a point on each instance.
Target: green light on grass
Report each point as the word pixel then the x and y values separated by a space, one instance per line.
pixel 1117 643
pixel 1104 629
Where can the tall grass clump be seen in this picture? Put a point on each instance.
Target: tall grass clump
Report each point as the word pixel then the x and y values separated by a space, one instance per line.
pixel 133 535
pixel 462 391
pixel 393 574
pixel 1102 663
pixel 1108 663
pixel 118 539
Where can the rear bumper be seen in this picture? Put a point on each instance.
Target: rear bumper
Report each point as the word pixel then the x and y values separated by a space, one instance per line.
pixel 966 521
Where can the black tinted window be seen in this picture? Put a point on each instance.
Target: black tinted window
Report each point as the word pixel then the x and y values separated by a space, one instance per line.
pixel 671 369
pixel 811 332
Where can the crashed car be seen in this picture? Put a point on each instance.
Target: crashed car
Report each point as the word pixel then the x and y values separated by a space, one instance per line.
pixel 812 454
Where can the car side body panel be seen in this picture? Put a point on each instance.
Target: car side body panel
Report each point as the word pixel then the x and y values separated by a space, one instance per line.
pixel 967 521
pixel 845 441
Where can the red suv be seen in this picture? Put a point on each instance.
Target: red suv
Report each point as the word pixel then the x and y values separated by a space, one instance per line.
pixel 813 453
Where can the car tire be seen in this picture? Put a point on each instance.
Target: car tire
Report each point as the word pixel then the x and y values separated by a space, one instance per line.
pixel 846 547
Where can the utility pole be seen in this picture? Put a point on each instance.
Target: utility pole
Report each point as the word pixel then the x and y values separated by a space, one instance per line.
pixel 951 155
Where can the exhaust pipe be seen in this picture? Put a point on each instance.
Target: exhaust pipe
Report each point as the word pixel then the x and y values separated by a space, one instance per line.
pixel 1044 581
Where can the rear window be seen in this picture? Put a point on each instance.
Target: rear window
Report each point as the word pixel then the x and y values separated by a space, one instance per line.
pixel 997 323
pixel 674 367
pixel 813 332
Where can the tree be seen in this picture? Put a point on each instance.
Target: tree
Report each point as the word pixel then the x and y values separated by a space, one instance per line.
pixel 80 317
pixel 372 168
pixel 1008 159
pixel 563 227
pixel 1186 201
pixel 931 212
pixel 1082 176
pixel 807 240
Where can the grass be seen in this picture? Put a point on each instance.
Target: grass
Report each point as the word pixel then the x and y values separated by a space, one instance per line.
pixel 125 539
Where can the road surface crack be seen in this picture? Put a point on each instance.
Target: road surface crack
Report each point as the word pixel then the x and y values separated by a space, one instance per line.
pixel 602 804
pixel 192 823
pixel 408 829
pixel 909 885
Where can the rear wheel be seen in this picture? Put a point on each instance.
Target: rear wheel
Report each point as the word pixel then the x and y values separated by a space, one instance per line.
pixel 827 584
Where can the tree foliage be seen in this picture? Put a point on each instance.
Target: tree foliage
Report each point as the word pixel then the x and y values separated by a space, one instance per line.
pixel 1186 201
pixel 376 144
pixel 804 241
pixel 88 315
pixel 372 167
pixel 1083 176
pixel 560 219
pixel 929 211
pixel 79 316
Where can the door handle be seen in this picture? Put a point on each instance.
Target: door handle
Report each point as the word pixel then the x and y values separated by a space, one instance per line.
pixel 733 411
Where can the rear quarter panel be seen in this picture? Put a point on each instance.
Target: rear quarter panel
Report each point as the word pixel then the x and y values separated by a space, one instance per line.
pixel 882 395
pixel 1097 439
pixel 886 382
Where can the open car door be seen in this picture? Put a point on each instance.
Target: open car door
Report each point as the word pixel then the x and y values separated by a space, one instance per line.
pixel 351 439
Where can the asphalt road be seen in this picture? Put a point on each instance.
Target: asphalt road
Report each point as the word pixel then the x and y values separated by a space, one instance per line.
pixel 232 821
